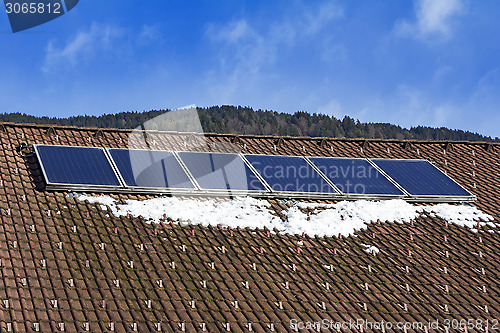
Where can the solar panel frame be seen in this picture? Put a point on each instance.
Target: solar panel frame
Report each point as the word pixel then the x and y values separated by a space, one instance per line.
pixel 227 192
pixel 431 197
pixel 151 189
pixel 335 194
pixel 347 195
pixel 73 185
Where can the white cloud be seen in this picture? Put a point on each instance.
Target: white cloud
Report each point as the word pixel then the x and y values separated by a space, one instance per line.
pixel 242 46
pixel 245 48
pixel 434 18
pixel 318 18
pixel 412 106
pixel 489 83
pixel 232 33
pixel 334 52
pixel 409 106
pixel 81 47
pixel 149 33
pixel 332 108
pixel 482 104
pixel 242 52
pixel 257 44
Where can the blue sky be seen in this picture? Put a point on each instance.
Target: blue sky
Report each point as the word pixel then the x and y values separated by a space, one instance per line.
pixel 426 62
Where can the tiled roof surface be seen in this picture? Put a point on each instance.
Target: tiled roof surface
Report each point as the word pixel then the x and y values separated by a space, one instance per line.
pixel 66 264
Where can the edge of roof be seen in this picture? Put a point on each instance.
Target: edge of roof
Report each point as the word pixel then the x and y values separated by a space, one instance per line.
pixel 248 136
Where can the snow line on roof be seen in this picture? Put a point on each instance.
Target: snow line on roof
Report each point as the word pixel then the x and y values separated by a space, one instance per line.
pixel 342 218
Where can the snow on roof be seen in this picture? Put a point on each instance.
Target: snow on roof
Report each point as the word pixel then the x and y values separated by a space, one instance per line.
pixel 371 249
pixel 462 215
pixel 343 218
pixel 242 212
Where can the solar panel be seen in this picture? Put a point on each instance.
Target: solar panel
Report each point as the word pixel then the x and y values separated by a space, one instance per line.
pixel 355 176
pixel 87 166
pixel 150 169
pixel 217 171
pixel 289 174
pixel 421 178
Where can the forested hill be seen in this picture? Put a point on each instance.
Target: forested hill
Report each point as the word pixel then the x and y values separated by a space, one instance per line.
pixel 243 120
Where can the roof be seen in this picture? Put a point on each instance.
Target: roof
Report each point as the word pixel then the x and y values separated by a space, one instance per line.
pixel 67 263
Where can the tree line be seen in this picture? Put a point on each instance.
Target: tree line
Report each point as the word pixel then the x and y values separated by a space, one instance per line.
pixel 244 120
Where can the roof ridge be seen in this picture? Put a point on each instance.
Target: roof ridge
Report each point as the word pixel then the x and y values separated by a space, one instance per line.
pixel 249 136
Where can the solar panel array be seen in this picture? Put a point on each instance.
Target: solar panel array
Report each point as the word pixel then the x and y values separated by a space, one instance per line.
pixel 136 170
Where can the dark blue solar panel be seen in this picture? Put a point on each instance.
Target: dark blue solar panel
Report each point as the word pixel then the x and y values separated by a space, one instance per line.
pixel 216 171
pixel 355 176
pixel 419 177
pixel 76 166
pixel 289 174
pixel 150 168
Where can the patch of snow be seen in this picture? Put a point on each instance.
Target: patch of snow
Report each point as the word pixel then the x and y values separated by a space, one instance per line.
pixel 103 200
pixel 466 216
pixel 242 212
pixel 346 216
pixel 371 249
pixel 342 218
